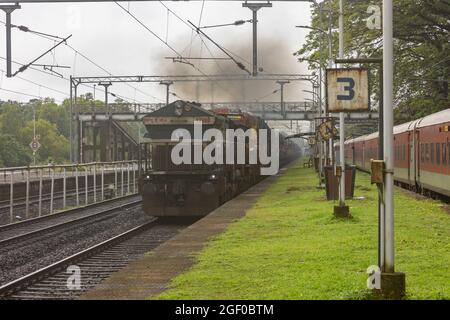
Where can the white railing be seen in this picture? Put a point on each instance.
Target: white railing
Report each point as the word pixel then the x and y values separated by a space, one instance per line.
pixel 97 181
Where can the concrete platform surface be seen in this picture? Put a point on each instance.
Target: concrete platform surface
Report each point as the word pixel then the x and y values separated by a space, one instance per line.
pixel 151 274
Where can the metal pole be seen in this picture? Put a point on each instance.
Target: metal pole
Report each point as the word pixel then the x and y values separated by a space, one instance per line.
pixel 167 84
pixel 64 187
pixel 86 183
pixel 76 129
pixel 52 188
pixel 330 65
pixel 103 183
pixel 95 184
pixel 255 43
pixel 106 85
pixel 76 187
pixel 255 7
pixel 71 122
pixel 8 9
pixel 381 209
pixel 115 179
pixel 167 94
pixel 81 141
pixel 134 178
pixel 341 114
pixel 121 178
pixel 128 178
pixel 40 192
pixel 27 195
pixel 11 198
pixel 8 44
pixel 388 115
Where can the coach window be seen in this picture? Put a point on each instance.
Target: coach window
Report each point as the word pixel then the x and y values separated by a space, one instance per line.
pixel 444 154
pixel 438 153
pixel 427 157
pixel 432 152
pixel 422 153
pixel 448 152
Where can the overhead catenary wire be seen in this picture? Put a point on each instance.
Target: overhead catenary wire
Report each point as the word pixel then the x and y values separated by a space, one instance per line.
pixel 203 43
pixel 194 28
pixel 38 84
pixel 239 64
pixel 77 52
pixel 161 40
pixel 26 94
pixel 126 99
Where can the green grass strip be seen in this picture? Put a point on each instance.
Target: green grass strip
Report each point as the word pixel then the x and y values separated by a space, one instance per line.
pixel 289 246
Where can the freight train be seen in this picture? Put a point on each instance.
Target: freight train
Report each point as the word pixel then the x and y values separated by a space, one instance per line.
pixel 196 187
pixel 421 154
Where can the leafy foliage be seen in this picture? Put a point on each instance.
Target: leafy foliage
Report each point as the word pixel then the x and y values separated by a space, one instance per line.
pixel 13 153
pixel 421 50
pixel 17 130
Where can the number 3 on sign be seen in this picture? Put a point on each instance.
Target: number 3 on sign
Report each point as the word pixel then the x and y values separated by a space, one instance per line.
pixel 347 90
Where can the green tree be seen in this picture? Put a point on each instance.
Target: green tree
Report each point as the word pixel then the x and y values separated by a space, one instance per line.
pixel 56 114
pixel 12 152
pixel 422 46
pixel 12 119
pixel 54 145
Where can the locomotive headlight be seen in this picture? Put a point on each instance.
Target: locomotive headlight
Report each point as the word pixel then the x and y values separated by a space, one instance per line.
pixel 212 177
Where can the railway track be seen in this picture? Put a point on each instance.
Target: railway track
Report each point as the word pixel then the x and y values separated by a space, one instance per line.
pixel 32 228
pixel 94 264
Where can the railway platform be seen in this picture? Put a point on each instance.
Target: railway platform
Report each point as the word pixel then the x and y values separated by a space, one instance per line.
pixel 280 240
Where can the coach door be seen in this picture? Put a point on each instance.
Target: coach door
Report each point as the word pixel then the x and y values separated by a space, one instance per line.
pixel 412 146
pixel 417 159
pixel 411 157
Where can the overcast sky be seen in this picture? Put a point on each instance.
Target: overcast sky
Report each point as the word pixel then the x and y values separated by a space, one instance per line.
pixel 110 37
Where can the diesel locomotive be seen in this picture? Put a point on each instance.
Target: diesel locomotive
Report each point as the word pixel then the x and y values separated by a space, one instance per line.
pixel 195 188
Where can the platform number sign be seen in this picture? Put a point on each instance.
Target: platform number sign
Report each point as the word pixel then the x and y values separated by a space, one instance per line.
pixel 347 90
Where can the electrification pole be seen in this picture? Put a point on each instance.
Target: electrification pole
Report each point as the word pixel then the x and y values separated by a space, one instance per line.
pixel 8 9
pixel 282 83
pixel 392 283
pixel 342 208
pixel 255 7
pixel 108 155
pixel 167 84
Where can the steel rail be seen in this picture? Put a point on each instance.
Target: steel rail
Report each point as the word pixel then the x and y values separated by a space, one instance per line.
pixel 23 223
pixel 21 283
pixel 54 227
